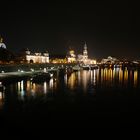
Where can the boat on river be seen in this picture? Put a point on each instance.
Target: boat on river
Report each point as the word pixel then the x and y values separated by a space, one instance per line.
pixel 41 77
pixel 77 68
pixel 2 87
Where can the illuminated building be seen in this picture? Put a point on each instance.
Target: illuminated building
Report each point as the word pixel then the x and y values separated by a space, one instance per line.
pixel 109 60
pixel 71 57
pixel 37 57
pixel 85 52
pixel 2 45
pixel 57 59
pixel 83 58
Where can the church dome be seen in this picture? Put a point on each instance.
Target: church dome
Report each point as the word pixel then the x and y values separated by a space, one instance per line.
pixel 2 45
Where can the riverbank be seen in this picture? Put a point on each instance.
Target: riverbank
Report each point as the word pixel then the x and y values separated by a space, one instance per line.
pixel 28 67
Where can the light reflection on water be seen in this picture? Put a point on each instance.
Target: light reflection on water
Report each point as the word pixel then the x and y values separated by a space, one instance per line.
pixel 1 99
pixel 135 78
pixel 86 81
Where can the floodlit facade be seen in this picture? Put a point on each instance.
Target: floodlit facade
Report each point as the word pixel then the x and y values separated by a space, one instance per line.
pixel 109 60
pixel 71 58
pixel 37 57
pixel 83 58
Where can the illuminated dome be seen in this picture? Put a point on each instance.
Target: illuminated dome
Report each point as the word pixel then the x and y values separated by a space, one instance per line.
pixel 2 45
pixel 71 51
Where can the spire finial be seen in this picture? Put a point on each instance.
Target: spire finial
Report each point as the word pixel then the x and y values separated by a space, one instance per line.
pixel 85 45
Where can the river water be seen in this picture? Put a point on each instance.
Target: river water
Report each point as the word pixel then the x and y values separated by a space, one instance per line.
pixel 95 98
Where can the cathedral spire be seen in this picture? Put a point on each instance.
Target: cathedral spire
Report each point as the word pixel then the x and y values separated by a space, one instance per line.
pixel 85 52
pixel 85 46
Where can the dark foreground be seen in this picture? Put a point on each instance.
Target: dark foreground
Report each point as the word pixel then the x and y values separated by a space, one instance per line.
pixel 82 100
pixel 95 111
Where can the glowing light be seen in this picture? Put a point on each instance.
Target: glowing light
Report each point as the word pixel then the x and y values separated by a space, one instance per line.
pixel 125 76
pixel 0 95
pixel 32 69
pixel 45 70
pixel 51 83
pixel 45 87
pixel 97 73
pixel 71 81
pixel 120 75
pixel 135 78
pixel 37 58
pixel 94 78
pixel 1 99
pixel 102 76
pixel 66 79
pixel 84 75
pixel 51 75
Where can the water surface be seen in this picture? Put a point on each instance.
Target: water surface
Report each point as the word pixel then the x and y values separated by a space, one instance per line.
pixel 95 98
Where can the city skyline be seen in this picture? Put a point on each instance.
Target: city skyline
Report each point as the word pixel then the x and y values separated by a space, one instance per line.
pixel 109 28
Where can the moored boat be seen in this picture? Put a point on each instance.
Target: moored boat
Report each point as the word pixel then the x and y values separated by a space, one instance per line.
pixel 2 87
pixel 41 77
pixel 77 68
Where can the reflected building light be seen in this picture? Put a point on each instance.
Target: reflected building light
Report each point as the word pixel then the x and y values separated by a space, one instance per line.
pixel 97 73
pixel 28 86
pixel 22 90
pixel 79 77
pixel 51 83
pixel 102 76
pixel 55 84
pixel 114 74
pixel 0 95
pixel 22 85
pixel 117 73
pixel 33 88
pixel 135 78
pixel 45 87
pixel 1 99
pixel 91 76
pixel 94 78
pixel 105 74
pixel 110 75
pixel 131 75
pixel 19 87
pixel 125 76
pixel 72 80
pixel 66 79
pixel 84 80
pixel 120 76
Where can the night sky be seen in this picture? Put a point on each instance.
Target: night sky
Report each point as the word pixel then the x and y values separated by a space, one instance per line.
pixel 108 27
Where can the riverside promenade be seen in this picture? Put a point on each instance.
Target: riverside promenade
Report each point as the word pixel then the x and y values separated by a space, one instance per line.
pixel 29 67
pixel 11 72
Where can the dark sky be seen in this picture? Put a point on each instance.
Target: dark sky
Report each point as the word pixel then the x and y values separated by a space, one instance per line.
pixel 108 27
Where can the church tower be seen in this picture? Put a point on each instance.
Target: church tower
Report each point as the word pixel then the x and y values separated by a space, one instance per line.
pixel 85 52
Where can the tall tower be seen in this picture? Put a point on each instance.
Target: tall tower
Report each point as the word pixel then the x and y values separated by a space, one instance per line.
pixel 85 52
